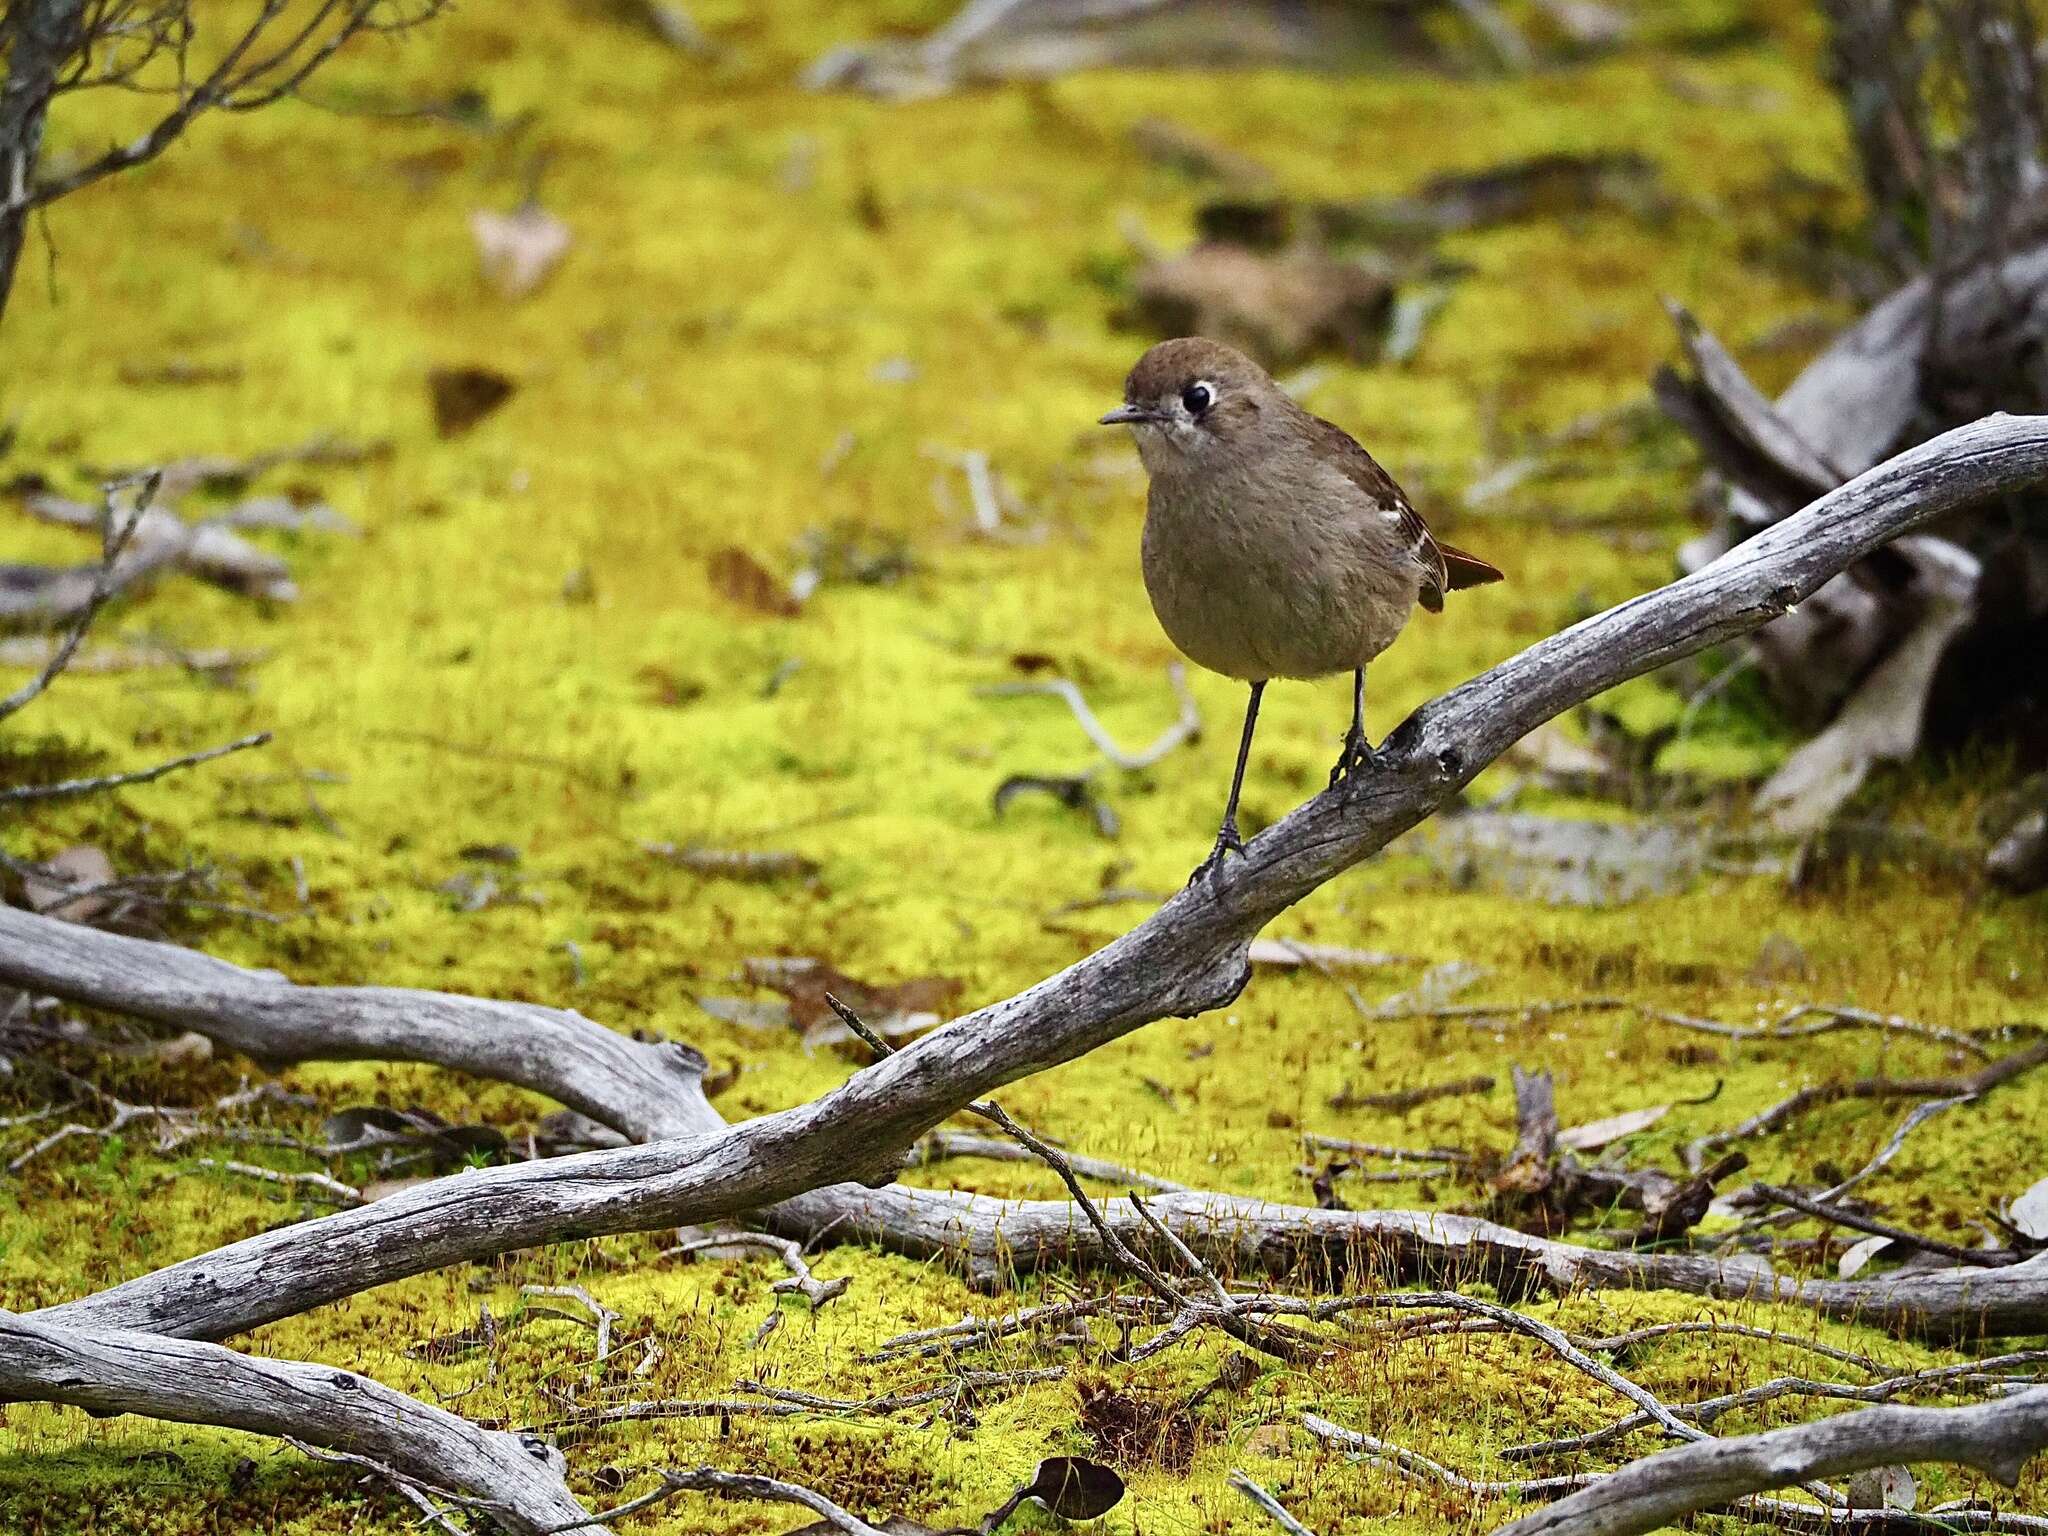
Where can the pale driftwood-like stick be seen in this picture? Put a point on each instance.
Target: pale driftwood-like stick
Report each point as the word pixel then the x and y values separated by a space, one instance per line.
pixel 1996 1438
pixel 1184 728
pixel 801 1281
pixel 1420 1468
pixel 118 1371
pixel 1188 957
pixel 652 1091
pixel 1269 1504
pixel 747 1485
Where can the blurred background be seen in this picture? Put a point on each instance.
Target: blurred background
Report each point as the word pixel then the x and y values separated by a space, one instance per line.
pixel 638 461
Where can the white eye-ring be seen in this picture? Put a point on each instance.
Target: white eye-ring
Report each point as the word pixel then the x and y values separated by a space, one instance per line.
pixel 1198 396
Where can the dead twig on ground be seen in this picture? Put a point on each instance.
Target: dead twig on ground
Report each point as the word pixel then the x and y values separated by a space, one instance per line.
pixel 1269 1504
pixel 733 1485
pixel 1989 1258
pixel 332 1188
pixel 801 1281
pixel 1186 728
pixel 2002 1070
pixel 1831 1017
pixel 114 534
pixel 71 788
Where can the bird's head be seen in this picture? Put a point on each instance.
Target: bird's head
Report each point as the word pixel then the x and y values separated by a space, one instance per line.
pixel 1188 399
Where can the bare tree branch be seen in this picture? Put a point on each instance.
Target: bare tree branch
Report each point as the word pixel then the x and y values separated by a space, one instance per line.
pixel 115 1371
pixel 1996 1438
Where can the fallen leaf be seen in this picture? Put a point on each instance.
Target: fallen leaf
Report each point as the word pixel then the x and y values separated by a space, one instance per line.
pixel 1550 751
pixel 1883 1488
pixel 1859 1254
pixel 1438 985
pixel 190 1046
pixel 2030 1212
pixel 362 1127
pixel 1282 308
pixel 738 576
pixel 1328 957
pixel 1075 1488
pixel 62 886
pixel 894 1009
pixel 518 249
pixel 748 1013
pixel 1270 1440
pixel 755 865
pixel 1595 1134
pixel 462 397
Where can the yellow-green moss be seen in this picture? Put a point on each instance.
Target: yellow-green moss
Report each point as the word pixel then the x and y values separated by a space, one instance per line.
pixel 746 256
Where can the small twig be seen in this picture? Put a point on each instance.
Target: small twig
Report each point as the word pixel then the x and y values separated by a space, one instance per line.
pixel 800 1282
pixel 602 1315
pixel 1223 1313
pixel 73 787
pixel 1988 1258
pixel 420 1495
pixel 1185 728
pixel 1833 1016
pixel 1400 1100
pixel 1912 1122
pixel 346 1194
pixel 732 1485
pixel 1817 1094
pixel 1269 1504
pixel 115 536
pixel 1379 1149
pixel 1415 1465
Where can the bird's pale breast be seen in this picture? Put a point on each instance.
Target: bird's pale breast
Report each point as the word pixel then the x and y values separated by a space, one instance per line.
pixel 1277 571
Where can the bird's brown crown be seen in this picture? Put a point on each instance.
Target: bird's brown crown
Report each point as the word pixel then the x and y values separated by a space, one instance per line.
pixel 1171 366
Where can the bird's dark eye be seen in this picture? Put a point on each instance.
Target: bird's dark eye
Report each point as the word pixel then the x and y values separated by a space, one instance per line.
pixel 1198 397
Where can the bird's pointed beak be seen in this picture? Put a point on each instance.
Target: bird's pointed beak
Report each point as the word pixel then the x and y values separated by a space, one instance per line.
pixel 1129 415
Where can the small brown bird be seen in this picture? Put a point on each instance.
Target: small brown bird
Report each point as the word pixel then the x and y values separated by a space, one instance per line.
pixel 1275 546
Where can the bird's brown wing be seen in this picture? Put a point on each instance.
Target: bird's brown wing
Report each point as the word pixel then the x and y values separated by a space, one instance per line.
pixel 1363 471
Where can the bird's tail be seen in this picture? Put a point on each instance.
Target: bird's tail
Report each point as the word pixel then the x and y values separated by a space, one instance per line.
pixel 1467 570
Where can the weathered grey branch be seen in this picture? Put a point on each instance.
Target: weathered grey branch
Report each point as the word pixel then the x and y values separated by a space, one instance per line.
pixel 45 34
pixel 1188 957
pixel 117 1371
pixel 1996 1438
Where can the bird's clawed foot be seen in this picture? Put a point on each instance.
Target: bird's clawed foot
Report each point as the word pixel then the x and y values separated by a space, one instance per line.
pixel 1227 842
pixel 1356 758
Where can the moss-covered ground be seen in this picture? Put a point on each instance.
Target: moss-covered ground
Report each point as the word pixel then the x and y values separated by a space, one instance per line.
pixel 524 648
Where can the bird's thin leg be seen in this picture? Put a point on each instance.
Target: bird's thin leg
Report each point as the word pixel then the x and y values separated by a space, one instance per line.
pixel 1357 751
pixel 1227 840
